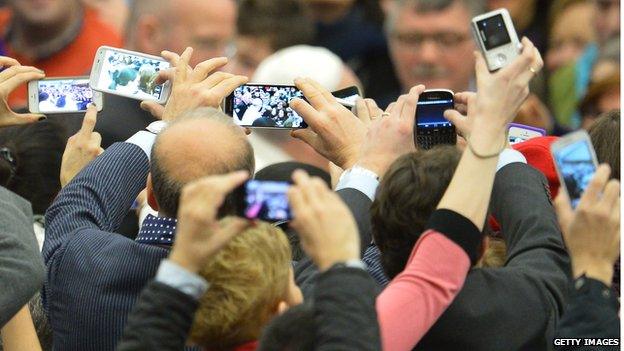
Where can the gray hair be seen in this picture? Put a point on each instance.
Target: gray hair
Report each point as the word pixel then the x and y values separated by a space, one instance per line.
pixel 474 7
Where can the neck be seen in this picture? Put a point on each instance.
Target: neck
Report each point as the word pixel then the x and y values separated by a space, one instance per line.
pixel 35 39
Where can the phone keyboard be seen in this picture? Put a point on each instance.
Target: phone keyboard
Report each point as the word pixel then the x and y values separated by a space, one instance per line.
pixel 428 138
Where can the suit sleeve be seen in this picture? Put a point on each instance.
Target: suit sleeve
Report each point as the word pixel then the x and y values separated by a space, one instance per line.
pixel 161 320
pixel 21 266
pixel 344 305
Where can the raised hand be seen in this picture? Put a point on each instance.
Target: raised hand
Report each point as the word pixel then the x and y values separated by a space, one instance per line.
pixel 192 88
pixel 325 225
pixel 82 147
pixel 367 110
pixel 392 135
pixel 592 232
pixel 199 234
pixel 12 77
pixel 334 131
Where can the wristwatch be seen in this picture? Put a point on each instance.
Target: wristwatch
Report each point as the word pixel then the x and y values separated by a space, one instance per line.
pixel 156 127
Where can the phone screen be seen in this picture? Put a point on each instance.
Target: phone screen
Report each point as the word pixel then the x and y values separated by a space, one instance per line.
pixel 493 32
pixel 64 95
pixel 266 106
pixel 430 114
pixel 131 75
pixel 266 200
pixel 518 134
pixel 576 166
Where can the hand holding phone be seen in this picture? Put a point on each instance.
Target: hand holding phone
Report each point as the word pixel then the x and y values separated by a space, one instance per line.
pixel 575 161
pixel 264 200
pixel 496 36
pixel 62 95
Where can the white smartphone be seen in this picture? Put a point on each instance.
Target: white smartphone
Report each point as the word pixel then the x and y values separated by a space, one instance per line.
pixel 129 74
pixel 496 36
pixel 62 95
pixel 575 161
pixel 520 132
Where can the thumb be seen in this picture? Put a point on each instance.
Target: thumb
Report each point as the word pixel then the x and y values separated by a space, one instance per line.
pixel 305 135
pixel 228 228
pixel 459 121
pixel 157 110
pixel 24 118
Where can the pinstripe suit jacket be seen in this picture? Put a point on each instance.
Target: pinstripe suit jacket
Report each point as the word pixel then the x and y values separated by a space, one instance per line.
pixel 94 275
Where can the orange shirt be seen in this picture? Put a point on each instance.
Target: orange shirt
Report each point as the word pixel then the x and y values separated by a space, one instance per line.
pixel 75 59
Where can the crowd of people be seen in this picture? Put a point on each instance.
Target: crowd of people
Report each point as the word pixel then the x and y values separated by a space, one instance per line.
pixel 64 96
pixel 123 229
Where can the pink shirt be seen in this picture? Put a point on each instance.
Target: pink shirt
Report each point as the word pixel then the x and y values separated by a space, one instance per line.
pixel 417 297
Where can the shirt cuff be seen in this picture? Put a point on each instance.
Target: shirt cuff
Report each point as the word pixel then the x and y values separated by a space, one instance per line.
pixel 365 182
pixel 509 156
pixel 144 140
pixel 179 278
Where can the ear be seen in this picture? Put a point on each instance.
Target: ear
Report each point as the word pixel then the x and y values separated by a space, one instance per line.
pixel 151 198
pixel 148 36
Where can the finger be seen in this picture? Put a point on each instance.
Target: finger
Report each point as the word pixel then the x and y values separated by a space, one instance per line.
pixel 183 64
pixel 326 94
pixel 247 130
pixel 8 62
pixel 23 118
pixel 312 94
pixel 373 110
pixel 596 186
pixel 96 140
pixel 296 200
pixel 463 97
pixel 362 111
pixel 171 57
pixel 390 107
pixel 398 108
pixel 409 109
pixel 227 86
pixel 215 79
pixel 522 63
pixel 306 135
pixel 155 109
pixel 459 121
pixel 611 194
pixel 20 78
pixel 228 182
pixel 165 75
pixel 309 114
pixel 228 229
pixel 481 69
pixel 205 68
pixel 564 211
pixel 88 123
pixel 14 70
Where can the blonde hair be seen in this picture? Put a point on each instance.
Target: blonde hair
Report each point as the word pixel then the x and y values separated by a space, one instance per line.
pixel 248 278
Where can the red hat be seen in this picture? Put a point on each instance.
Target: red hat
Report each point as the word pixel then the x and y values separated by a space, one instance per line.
pixel 537 153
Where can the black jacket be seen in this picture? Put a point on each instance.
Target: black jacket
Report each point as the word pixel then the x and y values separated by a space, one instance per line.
pixel 515 307
pixel 591 312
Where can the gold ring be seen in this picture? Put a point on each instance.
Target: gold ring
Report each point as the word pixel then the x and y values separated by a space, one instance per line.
pixel 384 114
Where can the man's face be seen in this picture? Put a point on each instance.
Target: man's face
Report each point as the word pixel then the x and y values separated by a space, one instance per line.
pixel 433 48
pixel 206 26
pixel 42 12
pixel 250 52
pixel 607 21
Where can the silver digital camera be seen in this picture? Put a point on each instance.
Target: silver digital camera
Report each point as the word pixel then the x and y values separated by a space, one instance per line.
pixel 496 36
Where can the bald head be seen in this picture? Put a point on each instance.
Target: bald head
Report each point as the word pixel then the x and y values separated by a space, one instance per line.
pixel 207 26
pixel 201 143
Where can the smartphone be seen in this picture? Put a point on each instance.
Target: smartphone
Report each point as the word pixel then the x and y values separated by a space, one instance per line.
pixel 264 106
pixel 348 96
pixel 62 95
pixel 495 34
pixel 576 163
pixel 264 200
pixel 129 74
pixel 431 128
pixel 520 132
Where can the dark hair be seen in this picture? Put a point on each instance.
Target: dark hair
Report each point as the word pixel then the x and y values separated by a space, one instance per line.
pixel 605 135
pixel 283 172
pixel 407 195
pixel 30 161
pixel 294 330
pixel 282 22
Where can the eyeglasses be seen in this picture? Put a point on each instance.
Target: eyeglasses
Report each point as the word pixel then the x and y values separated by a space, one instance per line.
pixel 444 40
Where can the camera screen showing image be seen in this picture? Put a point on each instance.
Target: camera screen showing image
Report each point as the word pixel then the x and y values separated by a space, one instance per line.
pixel 493 32
pixel 132 75
pixel 266 106
pixel 576 165
pixel 267 200
pixel 430 114
pixel 66 95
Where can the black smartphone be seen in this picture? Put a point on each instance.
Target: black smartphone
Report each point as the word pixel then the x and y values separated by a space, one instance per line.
pixel 431 128
pixel 348 96
pixel 264 106
pixel 263 199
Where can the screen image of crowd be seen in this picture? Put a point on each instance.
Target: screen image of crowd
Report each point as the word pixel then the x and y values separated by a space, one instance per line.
pixel 132 75
pixel 264 106
pixel 267 200
pixel 64 95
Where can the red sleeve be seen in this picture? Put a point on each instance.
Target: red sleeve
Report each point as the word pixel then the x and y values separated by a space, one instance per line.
pixel 415 299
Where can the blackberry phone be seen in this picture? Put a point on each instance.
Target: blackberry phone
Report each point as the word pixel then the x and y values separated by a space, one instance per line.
pixel 431 128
